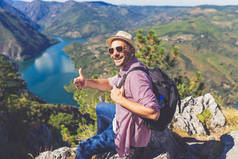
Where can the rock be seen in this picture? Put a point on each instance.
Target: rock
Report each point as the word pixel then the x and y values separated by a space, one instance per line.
pixel 188 120
pixel 61 153
pixel 230 142
pixel 210 149
pixel 191 107
pixel 163 145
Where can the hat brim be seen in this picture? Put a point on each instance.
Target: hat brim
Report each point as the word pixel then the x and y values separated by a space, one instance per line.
pixel 109 41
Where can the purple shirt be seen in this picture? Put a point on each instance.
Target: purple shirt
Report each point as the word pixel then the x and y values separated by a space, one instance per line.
pixel 130 130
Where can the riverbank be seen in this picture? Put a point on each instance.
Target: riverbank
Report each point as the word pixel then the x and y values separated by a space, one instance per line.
pixel 47 74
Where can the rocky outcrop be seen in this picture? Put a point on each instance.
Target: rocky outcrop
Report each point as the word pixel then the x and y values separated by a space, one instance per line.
pixel 169 145
pixel 191 108
pixel 163 145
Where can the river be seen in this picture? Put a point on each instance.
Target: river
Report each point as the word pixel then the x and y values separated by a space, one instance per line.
pixel 47 74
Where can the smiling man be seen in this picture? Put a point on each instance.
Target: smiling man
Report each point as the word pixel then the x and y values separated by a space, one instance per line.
pixel 120 126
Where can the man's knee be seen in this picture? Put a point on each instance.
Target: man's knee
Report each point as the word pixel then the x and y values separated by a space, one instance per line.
pixel 100 107
pixel 86 148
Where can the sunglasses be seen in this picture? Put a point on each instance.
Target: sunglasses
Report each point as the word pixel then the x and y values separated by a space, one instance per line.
pixel 118 48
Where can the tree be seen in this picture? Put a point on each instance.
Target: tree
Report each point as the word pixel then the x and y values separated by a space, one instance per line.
pixel 153 55
pixel 11 84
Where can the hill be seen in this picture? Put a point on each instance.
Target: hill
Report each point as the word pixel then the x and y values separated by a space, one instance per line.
pixel 19 40
pixel 88 19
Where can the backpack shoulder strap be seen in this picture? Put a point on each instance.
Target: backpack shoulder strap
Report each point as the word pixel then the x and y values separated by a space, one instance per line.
pixel 133 69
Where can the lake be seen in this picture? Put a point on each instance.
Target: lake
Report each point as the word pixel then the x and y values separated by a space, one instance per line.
pixel 47 74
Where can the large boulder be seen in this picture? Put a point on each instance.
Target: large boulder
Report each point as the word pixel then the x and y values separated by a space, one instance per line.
pixel 191 108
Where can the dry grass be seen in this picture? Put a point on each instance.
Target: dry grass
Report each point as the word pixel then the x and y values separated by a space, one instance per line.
pixel 202 11
pixel 231 115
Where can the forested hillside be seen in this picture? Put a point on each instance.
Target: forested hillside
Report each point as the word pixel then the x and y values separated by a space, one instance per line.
pixel 28 125
pixel 5 5
pixel 19 38
pixel 208 43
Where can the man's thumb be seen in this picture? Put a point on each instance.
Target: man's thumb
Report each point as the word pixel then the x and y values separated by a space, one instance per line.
pixel 81 73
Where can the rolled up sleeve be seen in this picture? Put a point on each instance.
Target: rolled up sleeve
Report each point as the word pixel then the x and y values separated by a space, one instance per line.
pixel 113 80
pixel 140 86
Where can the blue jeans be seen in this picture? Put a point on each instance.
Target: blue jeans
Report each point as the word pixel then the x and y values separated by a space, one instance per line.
pixel 105 114
pixel 104 140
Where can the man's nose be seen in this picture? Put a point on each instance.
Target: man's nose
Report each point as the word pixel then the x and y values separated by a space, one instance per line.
pixel 116 55
pixel 115 52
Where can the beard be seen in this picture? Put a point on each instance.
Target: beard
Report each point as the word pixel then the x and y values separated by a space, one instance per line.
pixel 121 61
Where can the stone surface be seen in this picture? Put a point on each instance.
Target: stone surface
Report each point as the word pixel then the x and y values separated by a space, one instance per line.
pixel 191 107
pixel 206 149
pixel 61 153
pixel 230 142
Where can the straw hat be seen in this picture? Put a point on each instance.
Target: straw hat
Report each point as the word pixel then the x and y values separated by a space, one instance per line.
pixel 123 36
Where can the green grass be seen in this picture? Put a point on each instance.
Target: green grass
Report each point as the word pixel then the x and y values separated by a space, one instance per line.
pixel 195 26
pixel 205 116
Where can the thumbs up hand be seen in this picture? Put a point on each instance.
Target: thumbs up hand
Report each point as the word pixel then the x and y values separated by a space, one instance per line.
pixel 117 94
pixel 80 82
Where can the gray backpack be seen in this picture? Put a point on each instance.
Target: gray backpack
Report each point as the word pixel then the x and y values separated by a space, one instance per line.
pixel 167 94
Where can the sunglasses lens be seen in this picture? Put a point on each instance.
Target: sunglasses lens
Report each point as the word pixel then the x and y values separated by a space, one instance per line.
pixel 111 50
pixel 119 48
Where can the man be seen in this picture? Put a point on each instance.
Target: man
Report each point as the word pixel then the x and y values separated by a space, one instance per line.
pixel 120 126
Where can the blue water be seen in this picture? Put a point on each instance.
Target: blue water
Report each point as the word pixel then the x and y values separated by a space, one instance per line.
pixel 47 74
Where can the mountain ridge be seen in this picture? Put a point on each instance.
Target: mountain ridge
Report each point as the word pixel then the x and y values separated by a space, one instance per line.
pixel 87 19
pixel 8 7
pixel 19 40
